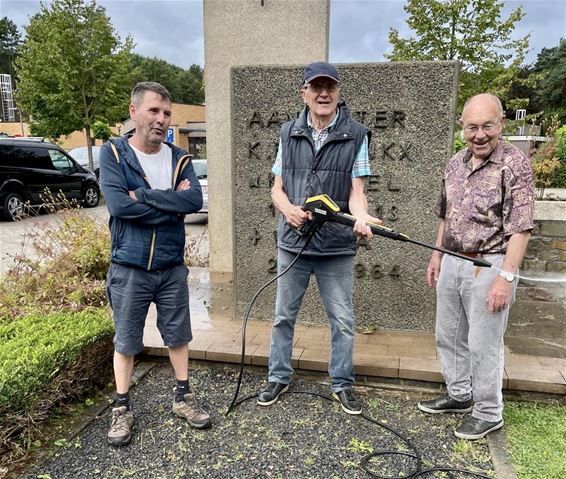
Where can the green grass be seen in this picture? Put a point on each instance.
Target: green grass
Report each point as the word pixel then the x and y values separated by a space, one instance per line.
pixel 536 434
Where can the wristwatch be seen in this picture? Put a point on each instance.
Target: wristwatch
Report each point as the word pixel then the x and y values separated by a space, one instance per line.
pixel 507 276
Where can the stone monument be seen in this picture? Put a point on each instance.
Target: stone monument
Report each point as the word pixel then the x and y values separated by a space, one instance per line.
pixel 247 32
pixel 410 109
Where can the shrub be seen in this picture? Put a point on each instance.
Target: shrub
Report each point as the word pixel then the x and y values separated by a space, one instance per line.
pixel 196 250
pixel 459 143
pixel 34 347
pixel 559 176
pixel 68 273
pixel 44 361
pixel 545 162
pixel 55 327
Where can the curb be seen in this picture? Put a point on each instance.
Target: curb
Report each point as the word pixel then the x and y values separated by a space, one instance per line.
pixel 94 411
pixel 500 457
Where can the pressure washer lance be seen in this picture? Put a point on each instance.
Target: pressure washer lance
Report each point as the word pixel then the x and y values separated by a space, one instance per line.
pixel 323 209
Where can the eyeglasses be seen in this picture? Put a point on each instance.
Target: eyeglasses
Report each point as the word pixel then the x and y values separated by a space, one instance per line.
pixel 318 87
pixel 487 128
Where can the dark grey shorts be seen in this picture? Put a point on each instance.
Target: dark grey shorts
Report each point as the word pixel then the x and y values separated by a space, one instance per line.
pixel 130 291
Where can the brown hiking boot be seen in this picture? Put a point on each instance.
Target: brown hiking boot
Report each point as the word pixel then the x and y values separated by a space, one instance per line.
pixel 121 426
pixel 190 410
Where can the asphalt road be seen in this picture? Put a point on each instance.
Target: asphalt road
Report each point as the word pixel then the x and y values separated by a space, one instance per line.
pixel 14 235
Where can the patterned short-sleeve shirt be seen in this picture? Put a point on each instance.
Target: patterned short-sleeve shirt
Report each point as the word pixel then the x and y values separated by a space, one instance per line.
pixel 484 207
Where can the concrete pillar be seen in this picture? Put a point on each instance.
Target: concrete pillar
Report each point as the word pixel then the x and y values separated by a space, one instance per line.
pixel 238 33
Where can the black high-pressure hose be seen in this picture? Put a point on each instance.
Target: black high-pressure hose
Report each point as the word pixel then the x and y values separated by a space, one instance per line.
pixel 233 404
pixel 365 462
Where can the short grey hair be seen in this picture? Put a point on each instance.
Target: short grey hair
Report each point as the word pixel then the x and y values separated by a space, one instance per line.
pixel 139 91
pixel 493 98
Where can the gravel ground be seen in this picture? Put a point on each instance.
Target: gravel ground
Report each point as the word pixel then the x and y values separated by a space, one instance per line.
pixel 301 436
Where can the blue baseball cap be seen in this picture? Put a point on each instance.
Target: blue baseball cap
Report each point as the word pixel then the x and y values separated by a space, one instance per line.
pixel 320 69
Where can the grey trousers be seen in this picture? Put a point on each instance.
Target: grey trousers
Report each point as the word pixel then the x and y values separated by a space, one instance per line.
pixel 469 339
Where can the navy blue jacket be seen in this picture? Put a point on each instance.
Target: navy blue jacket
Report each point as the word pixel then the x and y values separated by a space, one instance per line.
pixel 307 173
pixel 148 233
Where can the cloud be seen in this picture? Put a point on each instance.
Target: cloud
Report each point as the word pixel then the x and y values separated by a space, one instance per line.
pixel 173 29
pixel 170 30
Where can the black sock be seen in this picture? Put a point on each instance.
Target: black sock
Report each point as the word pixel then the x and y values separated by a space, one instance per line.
pixel 123 400
pixel 182 389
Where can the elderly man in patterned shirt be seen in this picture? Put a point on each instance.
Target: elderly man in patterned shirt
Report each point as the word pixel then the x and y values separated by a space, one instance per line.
pixel 485 209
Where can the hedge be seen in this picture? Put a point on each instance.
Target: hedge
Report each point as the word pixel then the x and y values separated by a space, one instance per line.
pixel 34 348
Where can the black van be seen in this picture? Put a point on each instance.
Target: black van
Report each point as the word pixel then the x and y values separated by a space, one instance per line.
pixel 30 166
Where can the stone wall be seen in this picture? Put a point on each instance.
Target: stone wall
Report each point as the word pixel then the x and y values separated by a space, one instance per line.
pixel 410 108
pixel 537 321
pixel 546 254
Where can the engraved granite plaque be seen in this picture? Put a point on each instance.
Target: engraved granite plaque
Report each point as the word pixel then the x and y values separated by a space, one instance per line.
pixel 410 108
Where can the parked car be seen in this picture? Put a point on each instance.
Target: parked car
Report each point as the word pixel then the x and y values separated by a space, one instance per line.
pixel 29 167
pixel 201 170
pixel 80 154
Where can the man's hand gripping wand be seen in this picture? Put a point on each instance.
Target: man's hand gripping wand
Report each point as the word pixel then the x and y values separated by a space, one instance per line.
pixel 323 209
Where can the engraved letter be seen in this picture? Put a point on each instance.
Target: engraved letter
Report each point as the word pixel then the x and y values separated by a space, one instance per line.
pixel 273 119
pixel 254 182
pixel 386 152
pixel 360 270
pixel 405 151
pixel 380 119
pixel 254 236
pixel 390 185
pixel 398 118
pixel 256 118
pixel 360 116
pixel 251 150
pixel 394 273
pixel 373 182
pixel 392 213
pixel 376 271
pixel 363 241
pixel 272 266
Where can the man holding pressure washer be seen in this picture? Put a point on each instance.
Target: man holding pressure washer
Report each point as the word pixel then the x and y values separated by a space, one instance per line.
pixel 323 151
pixel 486 209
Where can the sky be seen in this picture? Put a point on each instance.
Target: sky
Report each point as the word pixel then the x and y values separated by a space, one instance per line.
pixel 172 30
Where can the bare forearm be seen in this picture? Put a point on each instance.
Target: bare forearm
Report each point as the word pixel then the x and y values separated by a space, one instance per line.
pixel 439 237
pixel 358 202
pixel 515 251
pixel 280 200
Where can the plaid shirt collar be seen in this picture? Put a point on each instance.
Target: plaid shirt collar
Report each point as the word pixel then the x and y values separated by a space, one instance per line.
pixel 320 137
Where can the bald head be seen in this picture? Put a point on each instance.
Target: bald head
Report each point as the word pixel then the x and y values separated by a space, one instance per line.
pixel 482 120
pixel 482 100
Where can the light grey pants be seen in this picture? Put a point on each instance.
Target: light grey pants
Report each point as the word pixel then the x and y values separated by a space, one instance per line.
pixel 469 339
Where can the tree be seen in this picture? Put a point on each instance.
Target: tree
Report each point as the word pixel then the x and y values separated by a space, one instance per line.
pixel 101 130
pixel 73 70
pixel 155 69
pixel 185 86
pixel 470 31
pixel 551 89
pixel 10 41
pixel 191 82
